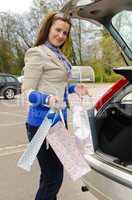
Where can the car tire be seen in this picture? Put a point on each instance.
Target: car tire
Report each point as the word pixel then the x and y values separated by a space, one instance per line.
pixel 9 93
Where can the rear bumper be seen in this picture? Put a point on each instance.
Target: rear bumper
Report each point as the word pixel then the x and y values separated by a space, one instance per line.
pixel 107 182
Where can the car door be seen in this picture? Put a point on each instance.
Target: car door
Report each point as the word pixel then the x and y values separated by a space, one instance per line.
pixel 2 82
pixel 13 83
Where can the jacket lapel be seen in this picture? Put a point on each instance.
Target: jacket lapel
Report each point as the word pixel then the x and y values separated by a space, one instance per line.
pixel 53 57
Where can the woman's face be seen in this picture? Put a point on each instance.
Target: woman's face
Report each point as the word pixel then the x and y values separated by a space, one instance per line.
pixel 58 32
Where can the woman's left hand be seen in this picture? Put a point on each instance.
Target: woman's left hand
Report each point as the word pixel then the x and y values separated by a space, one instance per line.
pixel 81 90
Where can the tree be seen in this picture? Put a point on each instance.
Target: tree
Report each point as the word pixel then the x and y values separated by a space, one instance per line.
pixel 88 45
pixel 8 53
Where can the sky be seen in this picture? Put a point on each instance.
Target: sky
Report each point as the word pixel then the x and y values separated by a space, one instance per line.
pixel 15 5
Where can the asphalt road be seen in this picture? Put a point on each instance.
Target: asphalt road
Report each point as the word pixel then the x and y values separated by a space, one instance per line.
pixel 16 184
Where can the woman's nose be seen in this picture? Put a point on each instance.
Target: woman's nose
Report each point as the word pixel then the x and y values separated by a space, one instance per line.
pixel 61 35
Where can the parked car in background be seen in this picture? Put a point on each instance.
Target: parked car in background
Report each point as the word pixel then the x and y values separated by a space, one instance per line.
pixel 20 79
pixel 110 118
pixel 9 86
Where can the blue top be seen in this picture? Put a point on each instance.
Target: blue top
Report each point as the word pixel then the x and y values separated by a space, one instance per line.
pixel 39 101
pixel 38 108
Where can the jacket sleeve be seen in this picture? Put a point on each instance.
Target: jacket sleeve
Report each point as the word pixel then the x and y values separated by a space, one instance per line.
pixel 33 69
pixel 71 88
pixel 38 98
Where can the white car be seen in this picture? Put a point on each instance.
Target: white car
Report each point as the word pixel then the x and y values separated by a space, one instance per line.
pixel 111 117
pixel 20 79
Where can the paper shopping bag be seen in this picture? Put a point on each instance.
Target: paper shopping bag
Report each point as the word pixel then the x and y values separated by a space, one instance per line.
pixel 82 130
pixel 64 145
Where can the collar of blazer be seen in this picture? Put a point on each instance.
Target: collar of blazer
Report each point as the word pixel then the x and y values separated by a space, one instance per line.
pixel 53 56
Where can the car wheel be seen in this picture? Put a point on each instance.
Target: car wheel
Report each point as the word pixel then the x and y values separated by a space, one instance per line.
pixel 9 93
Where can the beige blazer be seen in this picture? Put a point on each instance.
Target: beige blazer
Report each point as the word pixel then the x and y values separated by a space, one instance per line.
pixel 44 72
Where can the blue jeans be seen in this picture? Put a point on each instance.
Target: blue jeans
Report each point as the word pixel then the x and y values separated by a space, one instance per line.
pixel 51 170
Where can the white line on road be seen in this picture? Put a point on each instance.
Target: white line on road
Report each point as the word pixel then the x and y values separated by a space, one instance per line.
pixel 12 114
pixel 8 150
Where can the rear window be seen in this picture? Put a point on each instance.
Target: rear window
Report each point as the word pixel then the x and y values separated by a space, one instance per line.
pixel 122 22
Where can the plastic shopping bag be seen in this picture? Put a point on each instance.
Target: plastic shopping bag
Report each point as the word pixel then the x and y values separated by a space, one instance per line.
pixel 28 157
pixel 82 130
pixel 64 145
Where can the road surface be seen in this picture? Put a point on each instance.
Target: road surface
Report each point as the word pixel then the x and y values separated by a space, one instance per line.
pixel 15 183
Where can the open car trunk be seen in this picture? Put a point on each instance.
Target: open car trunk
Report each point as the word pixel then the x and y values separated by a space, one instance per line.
pixel 115 134
pixel 113 125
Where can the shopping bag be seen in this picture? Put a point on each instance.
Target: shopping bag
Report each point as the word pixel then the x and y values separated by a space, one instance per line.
pixel 82 130
pixel 28 157
pixel 64 145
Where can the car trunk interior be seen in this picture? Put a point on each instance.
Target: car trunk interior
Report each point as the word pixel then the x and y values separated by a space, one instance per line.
pixel 113 127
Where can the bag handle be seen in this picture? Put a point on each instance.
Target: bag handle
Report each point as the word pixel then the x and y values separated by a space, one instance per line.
pixel 58 109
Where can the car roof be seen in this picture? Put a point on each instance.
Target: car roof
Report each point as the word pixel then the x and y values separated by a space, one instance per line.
pixel 6 74
pixel 97 10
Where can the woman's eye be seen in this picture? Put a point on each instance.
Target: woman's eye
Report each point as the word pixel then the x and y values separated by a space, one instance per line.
pixel 58 30
pixel 65 33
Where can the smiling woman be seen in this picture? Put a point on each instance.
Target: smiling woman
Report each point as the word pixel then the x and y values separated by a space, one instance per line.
pixel 46 79
pixel 15 6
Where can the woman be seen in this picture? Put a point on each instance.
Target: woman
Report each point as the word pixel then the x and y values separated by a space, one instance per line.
pixel 46 75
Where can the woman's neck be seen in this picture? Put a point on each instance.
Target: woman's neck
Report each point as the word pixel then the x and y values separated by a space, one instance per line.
pixel 51 45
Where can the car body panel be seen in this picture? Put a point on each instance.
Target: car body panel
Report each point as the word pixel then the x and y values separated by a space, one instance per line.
pixel 105 188
pixel 114 173
pixel 109 94
pixel 110 177
pixel 2 82
pixel 124 71
pixel 97 10
pixel 107 180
